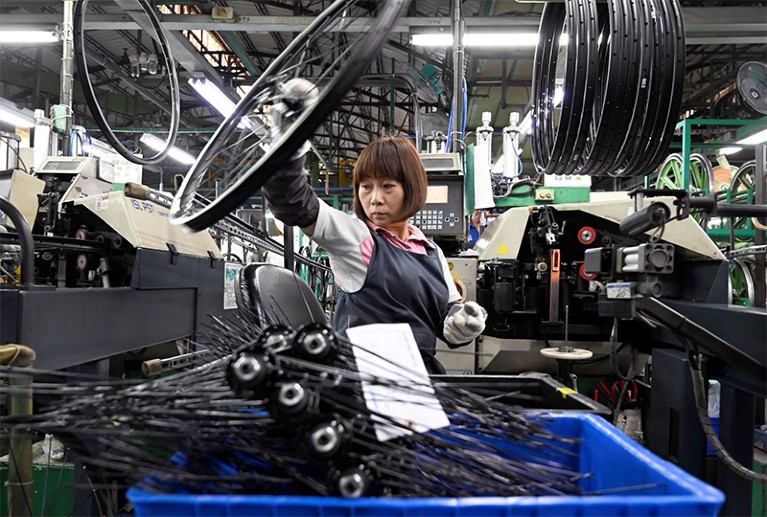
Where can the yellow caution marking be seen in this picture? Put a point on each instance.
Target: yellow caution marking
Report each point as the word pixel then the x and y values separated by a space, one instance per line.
pixel 503 250
pixel 565 391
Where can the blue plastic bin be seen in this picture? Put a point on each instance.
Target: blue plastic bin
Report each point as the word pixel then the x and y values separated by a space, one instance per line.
pixel 614 459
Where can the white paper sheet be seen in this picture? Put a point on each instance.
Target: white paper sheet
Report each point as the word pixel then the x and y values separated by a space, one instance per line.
pixel 404 394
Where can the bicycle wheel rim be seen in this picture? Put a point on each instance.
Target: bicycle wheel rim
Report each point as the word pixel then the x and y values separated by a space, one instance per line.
pixel 90 94
pixel 365 48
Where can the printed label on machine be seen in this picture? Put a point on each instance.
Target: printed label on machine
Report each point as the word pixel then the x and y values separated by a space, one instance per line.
pixel 231 271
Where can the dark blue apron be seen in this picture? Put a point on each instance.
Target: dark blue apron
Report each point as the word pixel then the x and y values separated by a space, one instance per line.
pixel 400 287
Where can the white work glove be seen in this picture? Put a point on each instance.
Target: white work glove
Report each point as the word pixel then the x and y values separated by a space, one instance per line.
pixel 464 322
pixel 296 95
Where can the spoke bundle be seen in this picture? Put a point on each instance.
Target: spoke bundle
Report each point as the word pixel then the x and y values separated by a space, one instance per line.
pixel 282 411
pixel 622 72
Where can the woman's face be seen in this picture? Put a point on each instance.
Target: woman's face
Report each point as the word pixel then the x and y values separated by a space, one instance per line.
pixel 382 200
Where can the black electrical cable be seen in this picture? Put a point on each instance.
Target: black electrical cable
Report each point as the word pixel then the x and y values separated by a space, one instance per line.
pixel 701 405
pixel 25 241
pixel 16 152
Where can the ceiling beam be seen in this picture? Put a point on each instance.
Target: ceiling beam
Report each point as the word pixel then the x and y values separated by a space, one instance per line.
pixel 182 49
pixel 703 25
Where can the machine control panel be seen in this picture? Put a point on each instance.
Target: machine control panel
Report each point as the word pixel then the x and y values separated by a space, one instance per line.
pixel 442 215
pixel 84 165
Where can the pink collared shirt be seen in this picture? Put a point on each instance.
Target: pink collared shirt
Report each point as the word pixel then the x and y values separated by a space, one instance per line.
pixel 350 247
pixel 415 243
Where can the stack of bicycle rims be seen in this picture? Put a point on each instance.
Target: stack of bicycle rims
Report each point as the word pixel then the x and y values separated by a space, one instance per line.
pixel 621 71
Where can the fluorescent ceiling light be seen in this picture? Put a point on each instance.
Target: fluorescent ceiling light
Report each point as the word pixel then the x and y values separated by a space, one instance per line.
pixel 480 39
pixel 218 100
pixel 755 139
pixel 23 37
pixel 213 96
pixel 158 144
pixel 15 117
pixel 729 150
pixel 432 40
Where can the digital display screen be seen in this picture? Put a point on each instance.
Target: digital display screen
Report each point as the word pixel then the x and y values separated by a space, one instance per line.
pixel 436 194
pixel 61 166
pixel 437 163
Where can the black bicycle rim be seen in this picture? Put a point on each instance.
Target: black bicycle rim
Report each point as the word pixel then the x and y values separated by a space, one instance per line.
pixel 90 94
pixel 302 129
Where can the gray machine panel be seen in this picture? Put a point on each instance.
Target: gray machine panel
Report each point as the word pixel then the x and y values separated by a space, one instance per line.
pixel 441 162
pixel 170 297
pixel 67 327
pixel 461 361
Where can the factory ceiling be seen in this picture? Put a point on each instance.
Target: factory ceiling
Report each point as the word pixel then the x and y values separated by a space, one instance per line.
pixel 230 42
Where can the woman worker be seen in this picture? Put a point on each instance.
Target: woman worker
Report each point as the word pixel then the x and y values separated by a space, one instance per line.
pixel 385 268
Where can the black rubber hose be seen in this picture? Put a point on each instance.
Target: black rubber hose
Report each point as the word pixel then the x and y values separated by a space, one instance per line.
pixel 25 240
pixel 701 405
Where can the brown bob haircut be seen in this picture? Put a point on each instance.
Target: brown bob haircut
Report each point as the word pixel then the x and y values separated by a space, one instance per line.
pixel 396 158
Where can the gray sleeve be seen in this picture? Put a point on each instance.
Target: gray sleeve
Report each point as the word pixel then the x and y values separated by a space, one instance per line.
pixel 342 235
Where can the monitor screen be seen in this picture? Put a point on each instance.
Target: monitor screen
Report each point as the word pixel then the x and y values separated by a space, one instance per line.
pixel 61 166
pixel 436 194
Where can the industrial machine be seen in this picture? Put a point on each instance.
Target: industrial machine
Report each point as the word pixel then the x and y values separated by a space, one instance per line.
pixel 543 280
pixel 107 273
pixel 638 271
pixel 461 361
